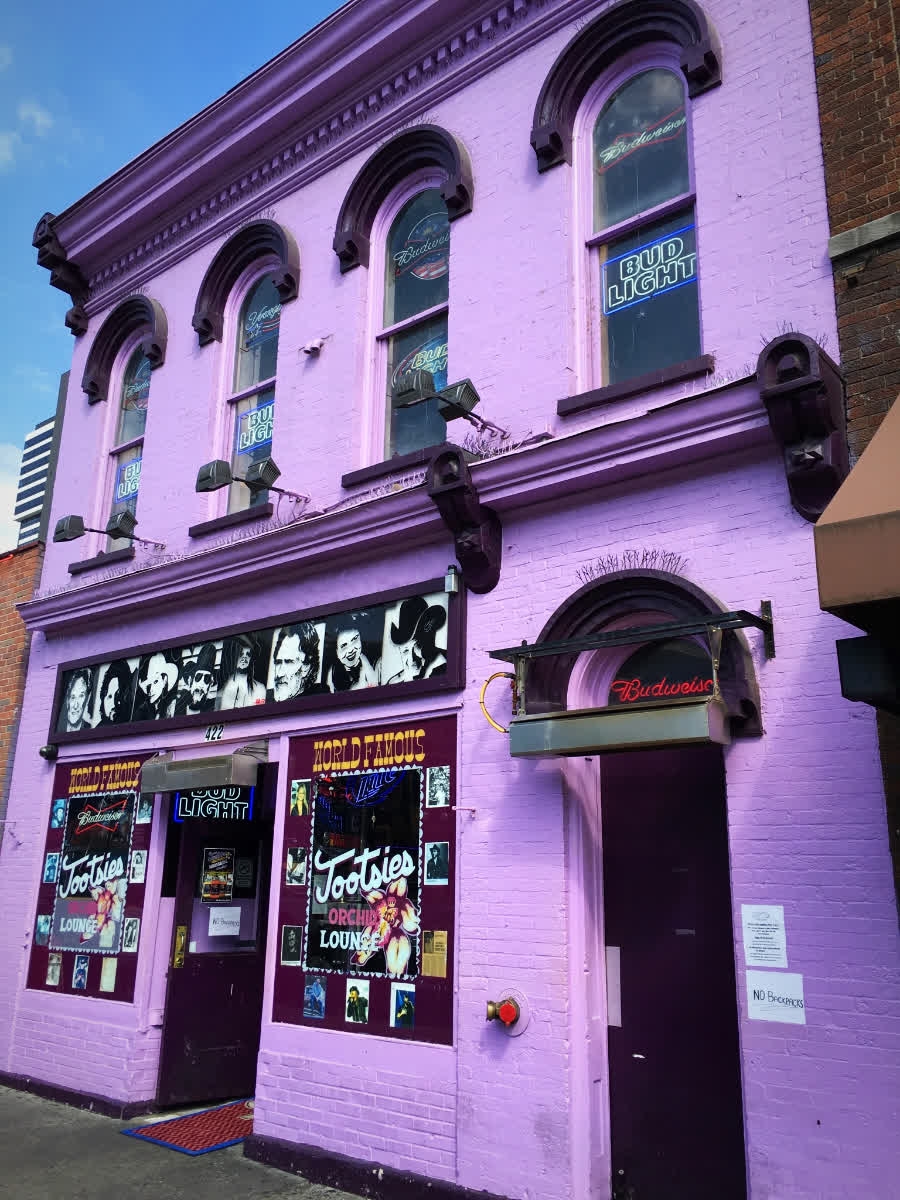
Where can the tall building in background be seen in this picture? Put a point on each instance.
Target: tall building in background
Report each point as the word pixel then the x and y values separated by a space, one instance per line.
pixel 33 475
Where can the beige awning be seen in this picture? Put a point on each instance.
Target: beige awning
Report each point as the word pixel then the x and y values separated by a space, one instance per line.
pixel 588 730
pixel 165 773
pixel 857 538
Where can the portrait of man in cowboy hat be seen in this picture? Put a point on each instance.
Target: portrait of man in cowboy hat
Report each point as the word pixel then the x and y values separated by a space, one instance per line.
pixel 156 683
pixel 414 639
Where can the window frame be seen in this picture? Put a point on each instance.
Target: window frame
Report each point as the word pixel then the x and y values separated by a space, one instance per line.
pixel 587 265
pixel 375 423
pixel 236 498
pixel 116 449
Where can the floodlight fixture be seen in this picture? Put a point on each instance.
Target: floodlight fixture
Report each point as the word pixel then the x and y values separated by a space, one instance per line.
pixel 259 477
pixel 120 525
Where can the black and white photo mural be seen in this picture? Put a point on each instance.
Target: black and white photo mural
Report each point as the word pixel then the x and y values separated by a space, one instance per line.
pixel 322 657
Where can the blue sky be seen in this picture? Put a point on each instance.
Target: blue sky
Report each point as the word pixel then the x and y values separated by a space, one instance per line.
pixel 84 89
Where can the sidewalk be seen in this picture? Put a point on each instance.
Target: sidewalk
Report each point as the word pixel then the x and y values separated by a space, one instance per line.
pixel 49 1151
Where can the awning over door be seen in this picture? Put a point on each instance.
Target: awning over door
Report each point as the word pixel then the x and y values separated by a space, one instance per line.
pixel 165 773
pixel 857 538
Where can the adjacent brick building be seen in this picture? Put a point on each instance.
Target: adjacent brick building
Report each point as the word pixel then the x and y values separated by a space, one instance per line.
pixel 858 82
pixel 19 573
pixel 539 291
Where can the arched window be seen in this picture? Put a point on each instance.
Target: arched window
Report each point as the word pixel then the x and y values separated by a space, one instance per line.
pixel 642 236
pixel 127 452
pixel 252 396
pixel 413 333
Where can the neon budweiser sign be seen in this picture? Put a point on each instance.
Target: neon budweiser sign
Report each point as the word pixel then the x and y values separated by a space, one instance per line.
pixel 628 691
pixel 625 144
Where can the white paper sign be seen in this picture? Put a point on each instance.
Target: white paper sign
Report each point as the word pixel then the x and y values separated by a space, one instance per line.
pixel 765 944
pixel 774 996
pixel 224 922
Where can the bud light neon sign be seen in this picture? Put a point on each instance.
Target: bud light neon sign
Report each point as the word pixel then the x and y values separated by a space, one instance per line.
pixel 254 428
pixel 649 271
pixel 128 480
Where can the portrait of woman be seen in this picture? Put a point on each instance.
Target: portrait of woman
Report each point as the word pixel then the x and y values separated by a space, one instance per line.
pixel 77 702
pixel 351 662
pixel 116 694
pixel 244 666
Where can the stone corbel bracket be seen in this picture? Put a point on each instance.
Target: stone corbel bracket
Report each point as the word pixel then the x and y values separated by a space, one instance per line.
pixel 476 529
pixel 64 274
pixel 803 391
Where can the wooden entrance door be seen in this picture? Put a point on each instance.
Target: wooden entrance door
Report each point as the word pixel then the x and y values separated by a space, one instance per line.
pixel 215 986
pixel 674 1068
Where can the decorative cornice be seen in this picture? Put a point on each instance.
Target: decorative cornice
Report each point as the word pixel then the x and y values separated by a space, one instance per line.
pixel 136 313
pixel 259 239
pixel 338 132
pixel 689 431
pixel 803 391
pixel 64 274
pixel 412 150
pixel 623 27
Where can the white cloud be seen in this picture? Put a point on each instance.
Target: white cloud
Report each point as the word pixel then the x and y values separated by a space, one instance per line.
pixel 5 57
pixel 8 145
pixel 10 458
pixel 40 121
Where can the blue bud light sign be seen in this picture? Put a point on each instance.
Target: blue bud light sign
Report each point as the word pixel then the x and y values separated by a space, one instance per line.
pixel 128 480
pixel 254 428
pixel 649 271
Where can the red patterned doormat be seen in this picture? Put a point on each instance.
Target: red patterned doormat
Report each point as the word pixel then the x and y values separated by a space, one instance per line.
pixel 200 1132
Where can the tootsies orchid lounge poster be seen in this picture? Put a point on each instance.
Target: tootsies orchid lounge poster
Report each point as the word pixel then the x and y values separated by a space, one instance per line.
pixel 91 896
pixel 409 641
pixel 368 881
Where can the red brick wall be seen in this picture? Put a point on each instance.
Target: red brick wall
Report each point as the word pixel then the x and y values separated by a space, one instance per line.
pixel 855 45
pixel 19 573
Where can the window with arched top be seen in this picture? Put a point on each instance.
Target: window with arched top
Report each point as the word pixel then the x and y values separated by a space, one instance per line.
pixel 413 333
pixel 642 234
pixel 127 452
pixel 252 395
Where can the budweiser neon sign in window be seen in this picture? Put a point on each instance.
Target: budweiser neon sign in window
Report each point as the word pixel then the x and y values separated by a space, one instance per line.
pixel 664 672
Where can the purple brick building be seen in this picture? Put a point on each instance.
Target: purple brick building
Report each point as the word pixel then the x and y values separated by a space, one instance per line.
pixel 538 290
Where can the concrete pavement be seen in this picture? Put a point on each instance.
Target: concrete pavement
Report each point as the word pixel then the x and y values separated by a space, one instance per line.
pixel 50 1151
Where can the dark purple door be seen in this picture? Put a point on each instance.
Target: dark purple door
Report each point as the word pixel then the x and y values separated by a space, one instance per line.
pixel 674 1067
pixel 216 965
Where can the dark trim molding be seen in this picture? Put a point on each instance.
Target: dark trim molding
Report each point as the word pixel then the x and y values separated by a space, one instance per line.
pixel 626 593
pixel 64 274
pixel 259 239
pixel 135 313
pixel 803 391
pixel 401 462
pixel 368 1179
pixel 261 512
pixel 103 559
pixel 623 27
pixel 412 150
pixel 118 1109
pixel 689 369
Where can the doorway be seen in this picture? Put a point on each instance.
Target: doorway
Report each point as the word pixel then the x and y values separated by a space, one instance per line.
pixel 213 1013
pixel 676 1115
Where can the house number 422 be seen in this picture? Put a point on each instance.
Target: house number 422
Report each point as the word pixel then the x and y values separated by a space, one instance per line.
pixel 214 733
